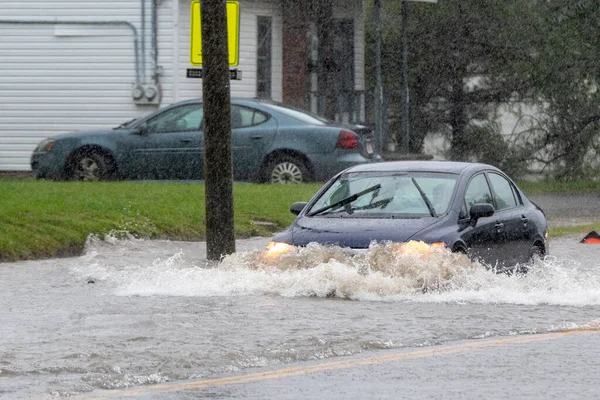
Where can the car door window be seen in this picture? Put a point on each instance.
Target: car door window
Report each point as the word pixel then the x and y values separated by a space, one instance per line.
pixel 477 192
pixel 179 119
pixel 505 196
pixel 243 117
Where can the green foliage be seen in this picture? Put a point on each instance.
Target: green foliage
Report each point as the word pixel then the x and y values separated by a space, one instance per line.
pixel 468 59
pixel 564 75
pixel 464 60
pixel 47 219
pixel 485 143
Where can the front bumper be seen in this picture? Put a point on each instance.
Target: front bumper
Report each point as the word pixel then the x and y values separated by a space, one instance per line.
pixel 47 165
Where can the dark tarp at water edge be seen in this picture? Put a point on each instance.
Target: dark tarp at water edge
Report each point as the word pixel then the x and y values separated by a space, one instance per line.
pixel 591 238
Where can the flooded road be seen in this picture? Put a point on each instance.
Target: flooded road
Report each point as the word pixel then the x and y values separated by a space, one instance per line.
pixel 132 313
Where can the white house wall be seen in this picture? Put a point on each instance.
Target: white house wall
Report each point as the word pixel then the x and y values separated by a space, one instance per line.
pixel 57 78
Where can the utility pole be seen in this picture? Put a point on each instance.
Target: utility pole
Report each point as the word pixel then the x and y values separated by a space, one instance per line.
pixel 405 98
pixel 218 164
pixel 379 117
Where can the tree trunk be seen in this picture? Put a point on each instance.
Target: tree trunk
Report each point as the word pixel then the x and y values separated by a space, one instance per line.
pixel 458 123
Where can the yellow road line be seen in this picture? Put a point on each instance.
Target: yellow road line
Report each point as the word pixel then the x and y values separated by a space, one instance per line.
pixel 336 365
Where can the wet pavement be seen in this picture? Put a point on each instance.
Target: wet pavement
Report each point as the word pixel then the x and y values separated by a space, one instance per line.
pixel 570 209
pixel 131 314
pixel 545 366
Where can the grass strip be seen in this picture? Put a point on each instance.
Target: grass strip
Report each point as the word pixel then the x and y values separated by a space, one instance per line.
pixel 41 219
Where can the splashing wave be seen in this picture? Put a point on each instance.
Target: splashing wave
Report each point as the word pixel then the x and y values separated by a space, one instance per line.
pixel 384 272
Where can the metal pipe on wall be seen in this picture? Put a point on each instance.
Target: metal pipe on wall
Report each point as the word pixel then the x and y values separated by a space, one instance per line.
pixel 155 68
pixel 143 29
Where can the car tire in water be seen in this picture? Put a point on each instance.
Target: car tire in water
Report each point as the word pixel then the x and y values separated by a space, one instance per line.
pixel 288 170
pixel 91 166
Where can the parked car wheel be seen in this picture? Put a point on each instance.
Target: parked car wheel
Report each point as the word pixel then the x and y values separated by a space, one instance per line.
pixel 92 166
pixel 287 170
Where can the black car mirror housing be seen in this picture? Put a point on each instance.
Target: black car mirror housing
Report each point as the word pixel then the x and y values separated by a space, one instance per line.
pixel 481 210
pixel 297 207
pixel 141 129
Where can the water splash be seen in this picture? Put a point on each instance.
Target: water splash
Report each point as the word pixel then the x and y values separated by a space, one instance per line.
pixel 385 272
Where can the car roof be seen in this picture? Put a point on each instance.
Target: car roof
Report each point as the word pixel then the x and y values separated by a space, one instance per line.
pixel 452 167
pixel 239 100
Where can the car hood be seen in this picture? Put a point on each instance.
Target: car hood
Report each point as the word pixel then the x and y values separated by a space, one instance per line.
pixel 356 232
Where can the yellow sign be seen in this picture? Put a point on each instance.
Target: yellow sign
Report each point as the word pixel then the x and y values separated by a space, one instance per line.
pixel 233 33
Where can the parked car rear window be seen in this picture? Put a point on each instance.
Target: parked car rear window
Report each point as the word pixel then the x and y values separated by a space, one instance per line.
pixel 243 117
pixel 298 114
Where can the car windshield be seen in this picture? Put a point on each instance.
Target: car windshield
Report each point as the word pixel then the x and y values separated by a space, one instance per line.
pixel 298 114
pixel 382 194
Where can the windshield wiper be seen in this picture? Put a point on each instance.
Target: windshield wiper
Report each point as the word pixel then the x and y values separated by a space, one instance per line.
pixel 425 199
pixel 345 201
pixel 378 204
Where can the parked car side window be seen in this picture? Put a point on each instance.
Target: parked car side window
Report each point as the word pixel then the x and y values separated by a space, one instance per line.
pixel 184 118
pixel 477 192
pixel 242 117
pixel 505 196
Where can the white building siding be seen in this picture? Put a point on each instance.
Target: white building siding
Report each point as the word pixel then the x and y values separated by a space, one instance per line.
pixel 57 77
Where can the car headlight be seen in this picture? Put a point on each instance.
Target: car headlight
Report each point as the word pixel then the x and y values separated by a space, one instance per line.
pixel 418 247
pixel 46 145
pixel 276 249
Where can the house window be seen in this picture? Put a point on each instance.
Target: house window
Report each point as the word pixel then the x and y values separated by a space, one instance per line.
pixel 264 57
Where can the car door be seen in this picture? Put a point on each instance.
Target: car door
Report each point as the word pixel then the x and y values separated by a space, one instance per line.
pixel 483 237
pixel 510 213
pixel 171 145
pixel 252 132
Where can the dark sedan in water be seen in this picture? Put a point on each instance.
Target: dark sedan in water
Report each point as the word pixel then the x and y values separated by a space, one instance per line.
pixel 466 207
pixel 271 142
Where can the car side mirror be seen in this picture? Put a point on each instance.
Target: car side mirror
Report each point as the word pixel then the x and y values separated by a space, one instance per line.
pixel 142 129
pixel 297 207
pixel 481 210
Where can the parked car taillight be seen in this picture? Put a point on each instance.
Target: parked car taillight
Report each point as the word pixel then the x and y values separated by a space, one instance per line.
pixel 347 140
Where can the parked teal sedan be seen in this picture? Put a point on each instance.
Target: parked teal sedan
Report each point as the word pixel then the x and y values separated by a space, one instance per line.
pixel 271 142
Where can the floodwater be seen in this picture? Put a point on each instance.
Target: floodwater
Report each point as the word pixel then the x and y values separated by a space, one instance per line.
pixel 132 312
